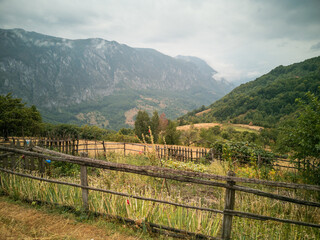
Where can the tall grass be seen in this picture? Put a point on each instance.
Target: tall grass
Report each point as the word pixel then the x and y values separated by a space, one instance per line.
pixel 197 195
pixel 138 210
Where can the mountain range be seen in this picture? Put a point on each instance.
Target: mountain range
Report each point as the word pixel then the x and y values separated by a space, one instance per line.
pixel 100 82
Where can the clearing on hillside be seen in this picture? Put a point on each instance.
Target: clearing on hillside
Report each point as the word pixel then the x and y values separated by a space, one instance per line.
pixel 210 125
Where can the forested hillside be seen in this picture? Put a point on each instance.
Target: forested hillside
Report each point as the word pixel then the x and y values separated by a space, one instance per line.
pixel 265 100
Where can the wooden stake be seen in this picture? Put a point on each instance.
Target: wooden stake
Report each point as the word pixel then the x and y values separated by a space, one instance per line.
pixel 228 205
pixel 84 182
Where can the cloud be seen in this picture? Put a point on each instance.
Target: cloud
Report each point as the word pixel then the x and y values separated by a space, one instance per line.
pixel 238 38
pixel 315 47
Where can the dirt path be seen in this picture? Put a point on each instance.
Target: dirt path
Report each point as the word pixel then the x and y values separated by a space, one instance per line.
pixel 21 222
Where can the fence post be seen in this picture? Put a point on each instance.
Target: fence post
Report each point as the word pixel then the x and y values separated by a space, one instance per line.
pixel 73 146
pixel 77 146
pixel 229 205
pixel 259 160
pixel 84 182
pixel 124 149
pixel 41 166
pixel 165 153
pixel 104 149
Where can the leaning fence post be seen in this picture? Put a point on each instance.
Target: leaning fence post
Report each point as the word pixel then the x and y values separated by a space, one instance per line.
pixel 84 182
pixel 104 150
pixel 228 205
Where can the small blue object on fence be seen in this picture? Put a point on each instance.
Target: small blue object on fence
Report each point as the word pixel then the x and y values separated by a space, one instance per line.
pixel 48 161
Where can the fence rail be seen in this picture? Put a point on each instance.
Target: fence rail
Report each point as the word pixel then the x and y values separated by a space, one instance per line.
pixel 231 187
pixel 180 153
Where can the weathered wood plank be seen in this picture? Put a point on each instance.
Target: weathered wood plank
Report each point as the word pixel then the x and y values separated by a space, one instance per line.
pixel 229 202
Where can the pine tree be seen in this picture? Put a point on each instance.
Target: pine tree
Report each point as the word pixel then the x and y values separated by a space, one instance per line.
pixel 142 124
pixel 155 125
pixel 16 119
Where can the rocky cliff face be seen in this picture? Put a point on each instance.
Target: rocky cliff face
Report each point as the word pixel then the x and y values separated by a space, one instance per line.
pixel 55 73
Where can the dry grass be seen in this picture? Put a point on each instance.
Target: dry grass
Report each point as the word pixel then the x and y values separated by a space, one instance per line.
pixel 198 126
pixel 203 112
pixel 253 127
pixel 19 222
pixel 210 125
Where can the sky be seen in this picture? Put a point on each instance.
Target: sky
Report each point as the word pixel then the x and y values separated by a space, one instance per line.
pixel 241 39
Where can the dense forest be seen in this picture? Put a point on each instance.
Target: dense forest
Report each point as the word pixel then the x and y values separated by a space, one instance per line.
pixel 265 100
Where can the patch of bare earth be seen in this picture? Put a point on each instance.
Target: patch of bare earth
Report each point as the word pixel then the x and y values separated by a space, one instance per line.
pixel 203 112
pixel 93 118
pixel 257 128
pixel 130 116
pixel 210 125
pixel 19 222
pixel 198 126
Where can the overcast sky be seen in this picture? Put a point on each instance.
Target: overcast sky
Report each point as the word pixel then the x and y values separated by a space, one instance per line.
pixel 241 39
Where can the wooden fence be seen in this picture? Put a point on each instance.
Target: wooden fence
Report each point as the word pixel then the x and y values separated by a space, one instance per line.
pixel 180 153
pixel 38 155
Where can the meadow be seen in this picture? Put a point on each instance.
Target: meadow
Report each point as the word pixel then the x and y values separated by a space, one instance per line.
pixel 204 222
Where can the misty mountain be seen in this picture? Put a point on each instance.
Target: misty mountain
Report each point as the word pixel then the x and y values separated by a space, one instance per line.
pixel 95 81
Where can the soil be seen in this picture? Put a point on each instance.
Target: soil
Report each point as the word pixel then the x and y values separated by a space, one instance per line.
pixel 22 222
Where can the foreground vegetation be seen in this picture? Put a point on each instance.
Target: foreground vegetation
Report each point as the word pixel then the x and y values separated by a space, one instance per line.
pixel 192 220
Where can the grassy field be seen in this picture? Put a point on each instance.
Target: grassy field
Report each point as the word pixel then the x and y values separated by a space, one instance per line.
pixel 185 193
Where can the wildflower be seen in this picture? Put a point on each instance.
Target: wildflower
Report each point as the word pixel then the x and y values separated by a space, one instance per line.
pixel 22 156
pixel 140 152
pixel 128 202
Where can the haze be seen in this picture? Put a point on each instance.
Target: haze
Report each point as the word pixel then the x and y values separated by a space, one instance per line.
pixel 240 39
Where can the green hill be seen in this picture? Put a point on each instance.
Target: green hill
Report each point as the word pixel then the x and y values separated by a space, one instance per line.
pixel 265 100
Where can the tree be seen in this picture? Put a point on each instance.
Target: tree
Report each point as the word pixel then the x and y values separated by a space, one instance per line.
pixel 163 122
pixel 190 136
pixel 88 132
pixel 142 123
pixel 62 130
pixel 17 119
pixel 302 135
pixel 172 135
pixel 126 131
pixel 155 123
